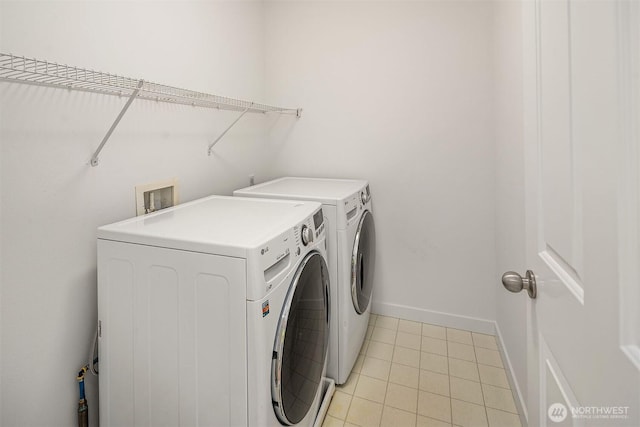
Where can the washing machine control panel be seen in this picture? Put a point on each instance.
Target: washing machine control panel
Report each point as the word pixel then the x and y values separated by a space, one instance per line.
pixel 352 206
pixel 283 251
pixel 310 230
pixel 306 235
pixel 318 223
pixel 365 195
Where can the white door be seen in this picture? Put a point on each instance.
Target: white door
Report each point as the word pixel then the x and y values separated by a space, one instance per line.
pixel 581 151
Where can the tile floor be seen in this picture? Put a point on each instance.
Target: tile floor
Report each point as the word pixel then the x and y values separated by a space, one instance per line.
pixel 416 374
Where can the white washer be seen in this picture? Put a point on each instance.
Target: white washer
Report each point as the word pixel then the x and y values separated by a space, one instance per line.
pixel 351 256
pixel 214 313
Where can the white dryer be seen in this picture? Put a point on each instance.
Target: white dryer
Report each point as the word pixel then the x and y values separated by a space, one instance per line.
pixel 351 256
pixel 213 313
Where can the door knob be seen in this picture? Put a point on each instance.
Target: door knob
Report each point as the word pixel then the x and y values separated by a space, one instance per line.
pixel 515 282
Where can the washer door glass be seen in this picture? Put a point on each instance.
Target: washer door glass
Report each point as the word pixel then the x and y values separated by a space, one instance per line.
pixel 362 263
pixel 301 342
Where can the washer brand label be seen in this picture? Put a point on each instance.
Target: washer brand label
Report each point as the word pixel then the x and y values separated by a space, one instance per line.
pixel 265 308
pixel 264 251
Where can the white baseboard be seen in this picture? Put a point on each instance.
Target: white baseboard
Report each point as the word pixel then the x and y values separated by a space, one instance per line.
pixel 513 381
pixel 474 324
pixel 457 321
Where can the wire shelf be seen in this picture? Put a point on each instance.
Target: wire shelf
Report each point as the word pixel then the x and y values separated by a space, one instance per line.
pixel 19 69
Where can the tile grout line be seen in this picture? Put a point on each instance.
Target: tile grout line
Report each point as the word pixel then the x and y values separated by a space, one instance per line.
pixel 446 334
pixel 386 387
pixel 484 402
pixel 419 374
pixel 390 366
pixel 376 326
pixel 353 396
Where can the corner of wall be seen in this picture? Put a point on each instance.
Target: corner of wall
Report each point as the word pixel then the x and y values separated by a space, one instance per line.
pixel 449 320
pixel 510 220
pixel 1 240
pixel 521 403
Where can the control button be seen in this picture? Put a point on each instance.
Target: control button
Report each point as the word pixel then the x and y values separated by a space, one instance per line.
pixel 363 197
pixel 307 235
pixel 298 251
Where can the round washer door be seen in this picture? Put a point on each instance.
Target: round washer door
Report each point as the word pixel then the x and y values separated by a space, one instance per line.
pixel 363 262
pixel 301 342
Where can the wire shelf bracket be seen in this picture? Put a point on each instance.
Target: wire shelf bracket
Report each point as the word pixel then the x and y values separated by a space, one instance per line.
pixel 19 69
pixel 94 159
pixel 227 130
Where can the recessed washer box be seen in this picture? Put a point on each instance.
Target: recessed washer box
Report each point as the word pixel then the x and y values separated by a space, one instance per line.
pixel 156 196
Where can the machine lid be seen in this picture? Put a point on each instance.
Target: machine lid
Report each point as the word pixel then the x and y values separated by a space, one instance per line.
pixel 363 263
pixel 324 190
pixel 217 224
pixel 302 341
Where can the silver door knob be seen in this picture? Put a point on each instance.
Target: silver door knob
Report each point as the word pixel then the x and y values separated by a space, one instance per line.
pixel 515 282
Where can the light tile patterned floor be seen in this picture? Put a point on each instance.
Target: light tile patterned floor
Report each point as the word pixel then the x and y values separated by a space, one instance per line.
pixel 421 375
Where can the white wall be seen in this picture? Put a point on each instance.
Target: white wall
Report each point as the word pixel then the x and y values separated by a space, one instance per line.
pixel 510 191
pixel 417 97
pixel 52 201
pixel 399 93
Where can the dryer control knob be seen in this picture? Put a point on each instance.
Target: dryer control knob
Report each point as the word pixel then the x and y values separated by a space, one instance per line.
pixel 363 197
pixel 306 235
